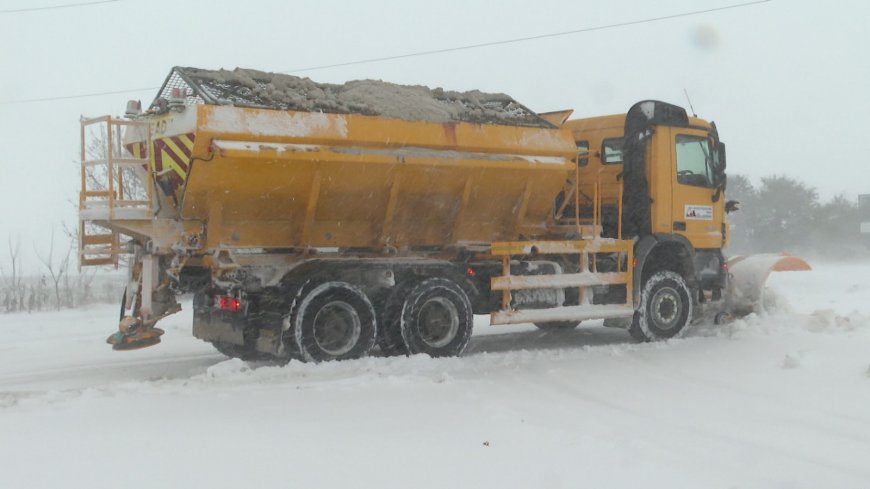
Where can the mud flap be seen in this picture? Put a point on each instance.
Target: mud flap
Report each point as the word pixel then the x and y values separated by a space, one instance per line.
pixel 748 275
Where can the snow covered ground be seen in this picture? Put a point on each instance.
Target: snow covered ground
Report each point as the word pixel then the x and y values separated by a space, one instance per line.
pixel 780 400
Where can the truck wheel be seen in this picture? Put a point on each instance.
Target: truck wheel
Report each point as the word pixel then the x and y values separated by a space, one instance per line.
pixel 334 321
pixel 665 308
pixel 437 319
pixel 558 325
pixel 390 323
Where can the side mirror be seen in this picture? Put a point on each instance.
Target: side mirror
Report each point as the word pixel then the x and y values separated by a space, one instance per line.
pixel 721 181
pixel 732 206
pixel 719 163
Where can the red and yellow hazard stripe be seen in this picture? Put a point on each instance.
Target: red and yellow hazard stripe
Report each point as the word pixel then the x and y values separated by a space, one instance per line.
pixel 173 153
pixel 170 156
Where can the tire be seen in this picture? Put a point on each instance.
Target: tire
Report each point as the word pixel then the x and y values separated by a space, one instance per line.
pixel 558 325
pixel 665 308
pixel 333 321
pixel 437 319
pixel 390 338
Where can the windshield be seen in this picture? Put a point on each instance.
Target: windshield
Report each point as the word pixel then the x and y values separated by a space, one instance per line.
pixel 694 161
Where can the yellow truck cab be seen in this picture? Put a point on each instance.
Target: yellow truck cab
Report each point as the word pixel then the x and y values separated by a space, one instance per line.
pixel 667 170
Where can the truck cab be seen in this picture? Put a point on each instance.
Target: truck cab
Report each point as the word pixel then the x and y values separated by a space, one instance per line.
pixel 658 175
pixel 680 167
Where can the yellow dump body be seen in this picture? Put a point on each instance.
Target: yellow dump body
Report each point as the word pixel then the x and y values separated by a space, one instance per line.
pixel 263 178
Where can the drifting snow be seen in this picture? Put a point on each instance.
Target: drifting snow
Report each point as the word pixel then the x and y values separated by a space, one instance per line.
pixel 772 400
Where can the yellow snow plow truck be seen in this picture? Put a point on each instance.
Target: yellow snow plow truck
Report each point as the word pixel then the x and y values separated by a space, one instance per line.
pixel 318 222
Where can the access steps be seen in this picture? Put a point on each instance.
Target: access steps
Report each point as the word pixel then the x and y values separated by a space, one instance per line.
pixel 584 280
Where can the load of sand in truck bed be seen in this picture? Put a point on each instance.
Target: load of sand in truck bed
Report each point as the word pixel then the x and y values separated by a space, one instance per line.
pixel 259 89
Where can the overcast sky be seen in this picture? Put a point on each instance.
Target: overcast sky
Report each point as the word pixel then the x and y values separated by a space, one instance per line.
pixel 786 81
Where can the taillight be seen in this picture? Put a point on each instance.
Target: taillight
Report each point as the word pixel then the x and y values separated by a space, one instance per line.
pixel 470 272
pixel 228 303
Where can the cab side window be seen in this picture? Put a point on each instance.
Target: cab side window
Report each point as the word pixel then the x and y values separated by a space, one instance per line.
pixel 694 161
pixel 612 151
pixel 583 147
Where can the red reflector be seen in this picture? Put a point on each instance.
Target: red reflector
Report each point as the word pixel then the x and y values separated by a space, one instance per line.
pixel 227 303
pixel 470 271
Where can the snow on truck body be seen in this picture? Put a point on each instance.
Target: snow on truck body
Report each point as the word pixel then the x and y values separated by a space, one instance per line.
pixel 316 221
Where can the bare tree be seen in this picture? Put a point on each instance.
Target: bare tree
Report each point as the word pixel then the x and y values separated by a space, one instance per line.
pixel 56 270
pixel 14 281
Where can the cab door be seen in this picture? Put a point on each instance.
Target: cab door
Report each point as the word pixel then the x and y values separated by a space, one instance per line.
pixel 695 215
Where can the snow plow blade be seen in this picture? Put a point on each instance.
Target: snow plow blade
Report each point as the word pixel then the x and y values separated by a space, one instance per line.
pixel 748 275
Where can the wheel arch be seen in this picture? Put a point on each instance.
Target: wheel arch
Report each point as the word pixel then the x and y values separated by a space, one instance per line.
pixel 348 270
pixel 415 274
pixel 657 252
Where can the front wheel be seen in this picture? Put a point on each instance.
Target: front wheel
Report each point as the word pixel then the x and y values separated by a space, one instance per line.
pixel 665 308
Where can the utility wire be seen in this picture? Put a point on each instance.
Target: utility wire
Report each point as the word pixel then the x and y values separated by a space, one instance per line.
pixel 54 7
pixel 82 95
pixel 419 53
pixel 530 38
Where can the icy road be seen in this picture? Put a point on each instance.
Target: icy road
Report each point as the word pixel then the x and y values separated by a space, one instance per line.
pixel 780 400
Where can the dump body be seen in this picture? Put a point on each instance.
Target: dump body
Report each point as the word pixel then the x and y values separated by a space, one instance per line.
pixel 261 178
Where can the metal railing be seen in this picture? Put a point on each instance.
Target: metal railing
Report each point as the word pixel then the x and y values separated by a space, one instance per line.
pixel 584 280
pixel 588 227
pixel 116 184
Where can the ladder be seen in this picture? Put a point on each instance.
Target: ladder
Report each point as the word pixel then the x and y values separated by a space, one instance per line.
pixel 115 185
pixel 588 227
pixel 584 280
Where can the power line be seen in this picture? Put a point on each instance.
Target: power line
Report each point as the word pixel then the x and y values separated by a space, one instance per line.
pixel 419 53
pixel 83 95
pixel 530 38
pixel 53 7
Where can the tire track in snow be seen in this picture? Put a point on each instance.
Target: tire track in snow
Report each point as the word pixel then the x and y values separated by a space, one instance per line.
pixel 95 374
